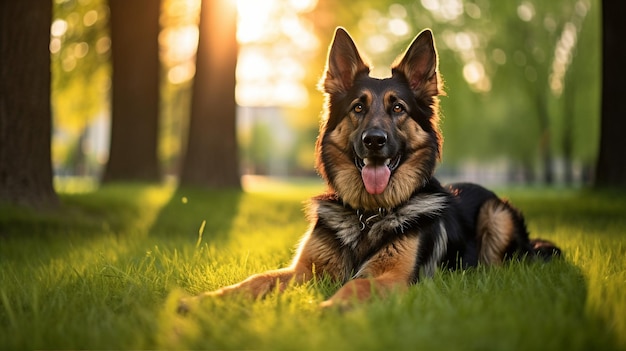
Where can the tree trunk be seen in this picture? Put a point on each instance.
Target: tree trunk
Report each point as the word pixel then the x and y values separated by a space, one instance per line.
pixel 611 167
pixel 211 158
pixel 135 91
pixel 25 117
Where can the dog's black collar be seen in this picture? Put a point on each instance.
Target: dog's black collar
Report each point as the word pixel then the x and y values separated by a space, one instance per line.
pixel 368 218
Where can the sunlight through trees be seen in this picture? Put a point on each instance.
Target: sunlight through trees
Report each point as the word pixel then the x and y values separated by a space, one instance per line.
pixel 515 75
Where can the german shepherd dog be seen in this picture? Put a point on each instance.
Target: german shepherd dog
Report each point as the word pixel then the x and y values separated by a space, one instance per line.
pixel 385 221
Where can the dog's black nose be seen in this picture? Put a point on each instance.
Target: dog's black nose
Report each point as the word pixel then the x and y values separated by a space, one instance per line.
pixel 374 139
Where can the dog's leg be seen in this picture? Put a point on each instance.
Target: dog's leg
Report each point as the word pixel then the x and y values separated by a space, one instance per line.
pixel 362 289
pixel 496 230
pixel 261 284
pixel 389 270
pixel 255 286
pixel 501 233
pixel 313 250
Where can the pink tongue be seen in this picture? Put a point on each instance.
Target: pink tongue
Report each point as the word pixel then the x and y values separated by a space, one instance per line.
pixel 375 178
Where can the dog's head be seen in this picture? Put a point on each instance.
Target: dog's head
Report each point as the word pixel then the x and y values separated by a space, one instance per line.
pixel 379 138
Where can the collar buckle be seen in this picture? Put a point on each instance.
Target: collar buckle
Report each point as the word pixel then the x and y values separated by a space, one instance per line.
pixel 368 218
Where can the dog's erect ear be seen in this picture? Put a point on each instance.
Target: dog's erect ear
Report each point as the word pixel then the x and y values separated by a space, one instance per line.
pixel 420 65
pixel 344 62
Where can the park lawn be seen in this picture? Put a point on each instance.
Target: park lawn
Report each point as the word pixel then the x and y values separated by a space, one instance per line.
pixel 107 269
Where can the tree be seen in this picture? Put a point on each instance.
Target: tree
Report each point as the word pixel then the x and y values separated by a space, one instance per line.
pixel 211 157
pixel 610 167
pixel 135 85
pixel 25 117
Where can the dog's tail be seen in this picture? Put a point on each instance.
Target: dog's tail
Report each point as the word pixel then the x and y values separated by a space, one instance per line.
pixel 544 249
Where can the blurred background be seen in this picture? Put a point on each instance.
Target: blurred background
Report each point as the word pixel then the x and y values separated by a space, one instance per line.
pixel 522 80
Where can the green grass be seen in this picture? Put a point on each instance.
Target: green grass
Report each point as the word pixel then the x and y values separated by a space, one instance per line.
pixel 106 270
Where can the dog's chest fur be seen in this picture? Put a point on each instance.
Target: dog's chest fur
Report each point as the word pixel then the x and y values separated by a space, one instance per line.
pixel 358 234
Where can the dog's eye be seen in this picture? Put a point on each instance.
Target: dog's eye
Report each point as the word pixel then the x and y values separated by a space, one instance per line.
pixel 358 108
pixel 398 108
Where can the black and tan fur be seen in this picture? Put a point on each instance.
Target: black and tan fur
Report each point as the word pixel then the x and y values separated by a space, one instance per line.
pixel 379 229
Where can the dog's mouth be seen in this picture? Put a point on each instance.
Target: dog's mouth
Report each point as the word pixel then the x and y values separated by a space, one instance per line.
pixel 376 172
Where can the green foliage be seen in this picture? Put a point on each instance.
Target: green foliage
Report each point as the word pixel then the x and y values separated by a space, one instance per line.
pixel 106 270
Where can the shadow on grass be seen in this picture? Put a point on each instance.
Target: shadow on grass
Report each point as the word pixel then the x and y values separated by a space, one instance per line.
pixel 108 222
pixel 198 215
pixel 116 208
pixel 521 305
pixel 128 210
pixel 90 275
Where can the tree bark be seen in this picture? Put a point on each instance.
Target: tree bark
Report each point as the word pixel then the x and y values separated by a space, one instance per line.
pixel 611 165
pixel 25 115
pixel 135 91
pixel 211 158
